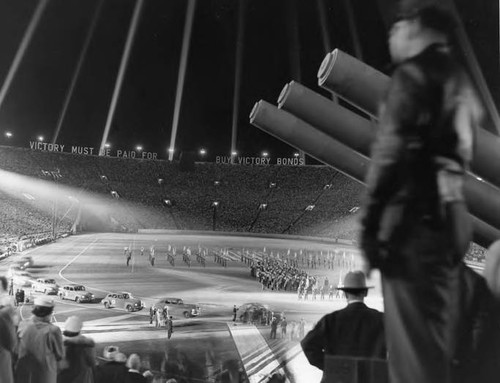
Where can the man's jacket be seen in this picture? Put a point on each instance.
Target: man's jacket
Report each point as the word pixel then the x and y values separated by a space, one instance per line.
pixel 355 331
pixel 423 147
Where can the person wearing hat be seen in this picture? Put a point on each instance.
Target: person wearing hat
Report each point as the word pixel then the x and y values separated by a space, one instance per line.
pixel 77 366
pixel 354 331
pixel 8 343
pixel 415 224
pixel 113 370
pixel 40 346
pixel 133 374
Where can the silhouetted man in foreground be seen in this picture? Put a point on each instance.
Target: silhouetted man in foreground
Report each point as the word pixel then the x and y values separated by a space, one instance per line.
pixel 416 229
pixel 355 331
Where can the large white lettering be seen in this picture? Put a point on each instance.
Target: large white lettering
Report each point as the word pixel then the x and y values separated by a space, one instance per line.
pixel 90 151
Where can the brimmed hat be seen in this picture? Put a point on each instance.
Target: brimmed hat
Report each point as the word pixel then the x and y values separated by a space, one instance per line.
pixel 492 269
pixel 73 324
pixel 43 301
pixel 354 280
pixel 433 16
pixel 109 352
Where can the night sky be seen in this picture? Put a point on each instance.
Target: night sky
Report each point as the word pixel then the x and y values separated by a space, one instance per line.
pixel 146 103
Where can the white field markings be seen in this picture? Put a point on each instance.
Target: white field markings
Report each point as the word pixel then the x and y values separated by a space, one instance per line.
pixel 247 339
pixel 261 360
pixel 146 335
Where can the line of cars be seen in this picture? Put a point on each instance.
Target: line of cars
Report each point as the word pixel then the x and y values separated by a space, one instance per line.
pixel 175 306
pixel 78 293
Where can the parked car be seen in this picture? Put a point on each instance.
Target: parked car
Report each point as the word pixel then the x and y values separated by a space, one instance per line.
pixel 177 307
pixel 22 279
pixel 45 285
pixel 76 293
pixel 256 312
pixel 25 262
pixel 123 300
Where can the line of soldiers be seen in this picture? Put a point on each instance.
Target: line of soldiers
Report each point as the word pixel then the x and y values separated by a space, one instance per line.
pixel 328 260
pixel 220 259
pixel 275 275
pixel 186 257
pixel 201 258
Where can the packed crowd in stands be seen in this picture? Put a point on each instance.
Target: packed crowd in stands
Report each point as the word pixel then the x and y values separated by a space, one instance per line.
pixel 140 194
pixel 141 185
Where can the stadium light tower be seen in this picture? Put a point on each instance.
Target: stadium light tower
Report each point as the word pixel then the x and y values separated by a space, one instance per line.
pixel 40 138
pixel 107 145
pixel 138 148
pixel 203 152
pixel 265 154
pixel 296 154
pixel 8 134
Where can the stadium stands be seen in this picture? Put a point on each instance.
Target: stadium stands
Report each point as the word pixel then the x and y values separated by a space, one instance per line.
pixel 120 194
pixel 132 185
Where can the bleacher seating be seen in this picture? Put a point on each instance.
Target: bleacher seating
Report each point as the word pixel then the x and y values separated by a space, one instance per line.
pixel 301 200
pixel 138 203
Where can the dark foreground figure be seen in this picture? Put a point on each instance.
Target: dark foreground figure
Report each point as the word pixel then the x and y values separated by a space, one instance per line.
pixel 416 228
pixel 355 331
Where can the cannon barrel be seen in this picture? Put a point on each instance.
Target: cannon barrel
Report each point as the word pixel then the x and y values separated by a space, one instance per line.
pixel 324 148
pixel 364 87
pixel 357 133
pixel 303 136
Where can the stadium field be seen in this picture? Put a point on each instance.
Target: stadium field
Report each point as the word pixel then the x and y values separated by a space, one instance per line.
pixel 210 343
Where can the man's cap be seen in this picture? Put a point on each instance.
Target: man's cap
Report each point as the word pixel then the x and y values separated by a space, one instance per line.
pixel 354 280
pixel 432 16
pixel 73 324
pixel 43 301
pixel 492 268
pixel 109 352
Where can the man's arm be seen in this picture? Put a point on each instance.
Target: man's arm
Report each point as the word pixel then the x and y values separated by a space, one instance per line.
pixel 314 344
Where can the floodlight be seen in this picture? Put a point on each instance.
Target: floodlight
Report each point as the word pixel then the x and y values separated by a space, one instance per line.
pixel 214 204
pixel 167 202
pixel 138 148
pixel 8 134
pixel 265 154
pixel 296 154
pixel 107 145
pixel 160 181
pixel 171 150
pixel 234 153
pixel 216 183
pixel 272 185
pixel 263 206
pixel 103 177
pixel 115 194
pixel 203 151
pixel 310 207
pixel 40 138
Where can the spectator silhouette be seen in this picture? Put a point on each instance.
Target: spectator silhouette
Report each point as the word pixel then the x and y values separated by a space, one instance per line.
pixel 355 331
pixel 41 345
pixel 79 361
pixel 113 370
